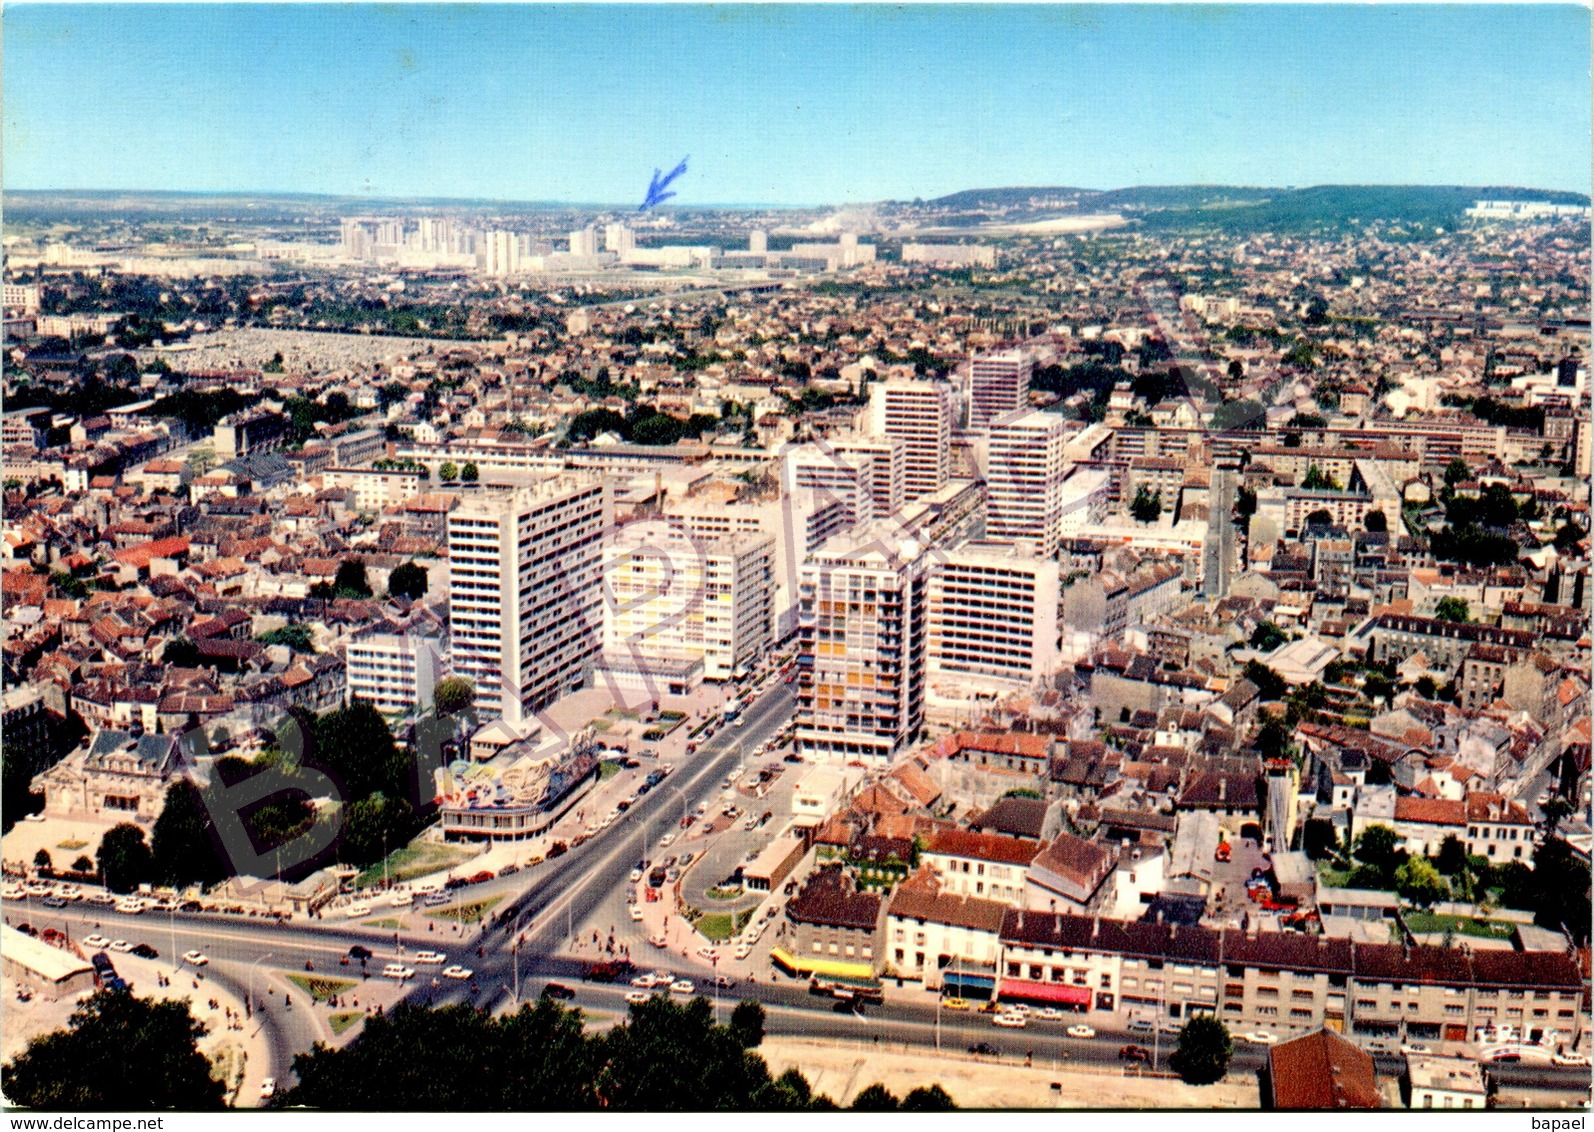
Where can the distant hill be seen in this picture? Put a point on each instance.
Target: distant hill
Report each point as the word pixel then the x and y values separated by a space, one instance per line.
pixel 1242 209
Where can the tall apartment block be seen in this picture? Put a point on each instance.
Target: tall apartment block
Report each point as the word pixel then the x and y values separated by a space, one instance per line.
pixel 847 476
pixel 525 591
pixel 919 413
pixel 998 385
pixel 799 521
pixel 861 624
pixel 668 596
pixel 993 613
pixel 395 669
pixel 1024 479
pixel 889 455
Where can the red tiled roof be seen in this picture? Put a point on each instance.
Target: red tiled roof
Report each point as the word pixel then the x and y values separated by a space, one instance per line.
pixel 984 847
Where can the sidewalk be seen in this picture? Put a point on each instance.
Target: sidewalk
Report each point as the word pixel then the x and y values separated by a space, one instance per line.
pixel 843 1068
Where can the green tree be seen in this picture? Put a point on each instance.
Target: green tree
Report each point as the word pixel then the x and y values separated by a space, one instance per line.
pixel 1376 848
pixel 374 825
pixel 928 1098
pixel 118 1053
pixel 1146 507
pixel 124 858
pixel 1273 740
pixel 408 581
pixel 355 745
pixel 1204 1051
pixel 1452 857
pixel 1453 609
pixel 875 1098
pixel 1419 882
pixel 1376 522
pixel 1568 535
pixel 296 636
pixel 452 695
pixel 469 473
pixel 180 652
pixel 448 471
pixel 350 580
pixel 1269 684
pixel 1315 480
pixel 181 850
pixel 1267 636
pixel 83 866
pixel 747 1023
pixel 1457 471
pixel 1561 882
pixel 41 859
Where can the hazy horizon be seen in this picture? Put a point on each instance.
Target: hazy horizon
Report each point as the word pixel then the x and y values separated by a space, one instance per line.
pixel 789 104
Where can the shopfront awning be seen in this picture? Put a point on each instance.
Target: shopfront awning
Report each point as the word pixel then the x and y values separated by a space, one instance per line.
pixel 829 968
pixel 1045 992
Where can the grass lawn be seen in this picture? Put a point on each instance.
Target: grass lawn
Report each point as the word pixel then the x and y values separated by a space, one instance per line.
pixel 466 913
pixel 721 926
pixel 608 769
pixel 415 860
pixel 1334 878
pixel 1425 923
pixel 318 987
pixel 385 922
pixel 341 1021
pixel 72 845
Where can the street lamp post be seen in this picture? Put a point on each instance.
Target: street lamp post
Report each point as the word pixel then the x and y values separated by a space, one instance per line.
pixel 253 1000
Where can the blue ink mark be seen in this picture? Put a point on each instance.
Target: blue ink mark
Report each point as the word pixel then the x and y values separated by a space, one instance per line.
pixel 656 193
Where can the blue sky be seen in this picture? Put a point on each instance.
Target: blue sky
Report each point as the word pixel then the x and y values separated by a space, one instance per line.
pixel 789 104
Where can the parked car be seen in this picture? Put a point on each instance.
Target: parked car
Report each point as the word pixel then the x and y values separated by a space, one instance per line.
pixel 435 958
pixel 637 997
pixel 121 946
pixel 1259 1037
pixel 1050 1014
pixel 197 958
pixel 1134 1053
pixel 96 941
pixel 509 870
pixel 558 990
pixel 955 1003
pixel 1081 1031
pixel 636 912
pixel 1010 1021
pixel 145 951
pixel 984 1049
pixel 682 986
pixel 398 971
pixel 457 972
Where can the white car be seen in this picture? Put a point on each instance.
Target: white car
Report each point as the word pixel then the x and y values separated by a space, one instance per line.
pixel 1570 1059
pixel 130 907
pixel 707 953
pixel 1050 1014
pixel 432 957
pixel 96 941
pixel 643 981
pixel 682 986
pixel 1081 1031
pixel 743 950
pixel 636 875
pixel 666 841
pixel 268 1088
pixel 457 972
pixel 197 958
pixel 398 971
pixel 636 911
pixel 1016 1008
pixel 637 997
pixel 1416 1047
pixel 401 899
pixel 355 911
pixel 121 946
pixel 1259 1037
pixel 102 898
pixel 1010 1020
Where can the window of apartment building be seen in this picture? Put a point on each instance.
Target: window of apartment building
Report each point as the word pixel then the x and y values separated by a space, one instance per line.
pixel 1130 984
pixel 850 951
pixel 1541 996
pixel 1035 970
pixel 1485 1012
pixel 1106 982
pixel 1541 1014
pixel 1302 995
pixel 1231 1007
pixel 1298 1012
pixel 1267 992
pixel 1366 1004
pixel 918 938
pixel 899 955
pixel 1565 1013
pixel 1014 971
pixel 868 952
pixel 1267 1011
pixel 1513 1012
pixel 1454 1010
pixel 1183 988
